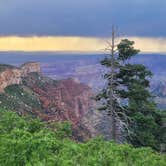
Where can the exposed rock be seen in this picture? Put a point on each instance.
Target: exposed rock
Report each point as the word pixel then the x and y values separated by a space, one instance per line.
pixel 10 75
pixel 64 100
pixel 30 67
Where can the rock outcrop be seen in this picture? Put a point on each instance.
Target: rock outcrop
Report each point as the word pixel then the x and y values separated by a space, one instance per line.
pixel 30 67
pixel 10 75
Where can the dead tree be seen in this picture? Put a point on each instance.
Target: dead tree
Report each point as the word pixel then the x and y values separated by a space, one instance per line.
pixel 115 109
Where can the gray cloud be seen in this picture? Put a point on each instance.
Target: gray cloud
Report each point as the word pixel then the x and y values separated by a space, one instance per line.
pixel 82 18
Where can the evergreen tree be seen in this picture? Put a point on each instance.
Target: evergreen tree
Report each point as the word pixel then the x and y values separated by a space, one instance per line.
pixel 133 110
pixel 145 120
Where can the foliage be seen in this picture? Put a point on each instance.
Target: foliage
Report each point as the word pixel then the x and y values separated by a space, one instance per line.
pixel 29 142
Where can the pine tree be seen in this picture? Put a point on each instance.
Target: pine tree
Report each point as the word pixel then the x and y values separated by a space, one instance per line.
pixel 110 96
pixel 145 120
pixel 128 100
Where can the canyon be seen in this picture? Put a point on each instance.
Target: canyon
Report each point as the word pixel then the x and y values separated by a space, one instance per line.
pixel 27 91
pixel 61 88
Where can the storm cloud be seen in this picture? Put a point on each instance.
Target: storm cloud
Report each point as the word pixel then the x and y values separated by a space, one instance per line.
pixel 82 17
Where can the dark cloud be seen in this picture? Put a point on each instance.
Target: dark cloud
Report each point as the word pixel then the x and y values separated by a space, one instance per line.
pixel 82 17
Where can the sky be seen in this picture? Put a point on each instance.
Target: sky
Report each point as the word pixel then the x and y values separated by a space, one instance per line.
pixel 80 25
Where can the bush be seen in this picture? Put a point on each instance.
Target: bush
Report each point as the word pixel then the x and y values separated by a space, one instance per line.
pixel 29 142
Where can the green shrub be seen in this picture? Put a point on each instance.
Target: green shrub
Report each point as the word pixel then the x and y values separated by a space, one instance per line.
pixel 29 142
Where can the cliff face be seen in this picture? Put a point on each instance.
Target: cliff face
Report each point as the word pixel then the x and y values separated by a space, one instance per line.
pixel 10 75
pixel 26 91
pixel 64 100
pixel 30 67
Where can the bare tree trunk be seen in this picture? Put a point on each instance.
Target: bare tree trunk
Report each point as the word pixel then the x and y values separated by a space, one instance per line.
pixel 118 124
pixel 112 107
